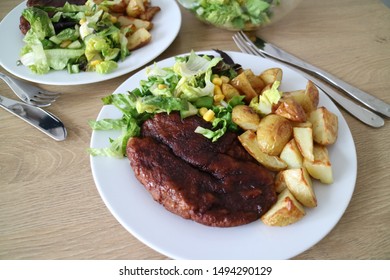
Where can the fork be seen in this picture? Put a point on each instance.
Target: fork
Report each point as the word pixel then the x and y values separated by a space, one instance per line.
pixel 29 93
pixel 359 112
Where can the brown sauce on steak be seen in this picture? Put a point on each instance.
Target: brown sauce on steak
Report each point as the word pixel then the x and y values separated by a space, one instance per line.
pixel 212 183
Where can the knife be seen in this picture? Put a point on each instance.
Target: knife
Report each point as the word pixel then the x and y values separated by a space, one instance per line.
pixel 370 101
pixel 37 117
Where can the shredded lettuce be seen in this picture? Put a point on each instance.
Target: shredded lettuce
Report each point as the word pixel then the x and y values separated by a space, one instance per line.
pixel 263 103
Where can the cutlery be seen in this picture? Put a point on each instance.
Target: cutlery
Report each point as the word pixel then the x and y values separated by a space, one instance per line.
pixel 37 117
pixel 274 52
pixel 29 93
pixel 359 112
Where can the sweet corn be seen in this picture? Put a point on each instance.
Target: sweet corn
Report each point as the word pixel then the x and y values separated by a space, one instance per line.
pixel 82 21
pixel 161 86
pixel 203 111
pixel 66 43
pixel 209 115
pixel 219 97
pixel 225 79
pixel 95 62
pixel 217 81
pixel 217 90
pixel 113 19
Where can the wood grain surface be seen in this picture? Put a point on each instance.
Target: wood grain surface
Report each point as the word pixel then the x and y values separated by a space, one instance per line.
pixel 51 209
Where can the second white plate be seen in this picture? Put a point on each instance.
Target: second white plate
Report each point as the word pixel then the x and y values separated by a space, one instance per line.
pixel 166 26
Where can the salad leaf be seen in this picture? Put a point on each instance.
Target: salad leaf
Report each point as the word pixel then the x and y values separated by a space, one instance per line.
pixel 263 103
pixel 40 23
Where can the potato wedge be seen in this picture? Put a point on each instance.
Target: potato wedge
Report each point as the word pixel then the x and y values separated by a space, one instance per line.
pixel 291 110
pixel 307 98
pixel 299 183
pixel 320 168
pixel 291 155
pixel 229 91
pixel 256 83
pixel 269 76
pixel 138 23
pixel 273 133
pixel 304 139
pixel 244 86
pixel 325 126
pixel 135 8
pixel 286 211
pixel 249 142
pixel 245 117
pixel 138 39
pixel 280 183
pixel 311 92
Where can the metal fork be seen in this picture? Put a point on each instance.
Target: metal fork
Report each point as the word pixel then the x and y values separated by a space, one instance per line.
pixel 29 93
pixel 359 112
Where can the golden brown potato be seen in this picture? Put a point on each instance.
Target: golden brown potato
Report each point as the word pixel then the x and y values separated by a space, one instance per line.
pixel 304 138
pixel 138 23
pixel 280 183
pixel 149 13
pixel 299 183
pixel 269 76
pixel 242 83
pixel 273 134
pixel 302 124
pixel 320 168
pixel 291 109
pixel 135 8
pixel 256 83
pixel 307 98
pixel 325 126
pixel 287 210
pixel 245 117
pixel 229 91
pixel 311 92
pixel 138 39
pixel 291 155
pixel 249 142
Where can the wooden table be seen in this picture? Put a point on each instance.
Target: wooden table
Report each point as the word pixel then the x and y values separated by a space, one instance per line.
pixel 50 207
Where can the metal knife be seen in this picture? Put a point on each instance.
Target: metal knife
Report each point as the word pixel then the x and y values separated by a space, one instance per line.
pixel 370 101
pixel 37 117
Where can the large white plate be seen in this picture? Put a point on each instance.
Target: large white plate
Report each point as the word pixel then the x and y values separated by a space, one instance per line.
pixel 178 238
pixel 166 27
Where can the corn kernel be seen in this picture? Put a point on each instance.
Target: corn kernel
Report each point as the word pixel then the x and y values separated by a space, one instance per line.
pixel 162 86
pixel 82 21
pixel 217 81
pixel 66 43
pixel 95 62
pixel 203 111
pixel 217 90
pixel 209 116
pixel 225 79
pixel 113 19
pixel 219 97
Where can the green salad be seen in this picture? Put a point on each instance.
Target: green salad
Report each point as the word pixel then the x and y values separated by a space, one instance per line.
pixel 234 14
pixel 185 87
pixel 94 42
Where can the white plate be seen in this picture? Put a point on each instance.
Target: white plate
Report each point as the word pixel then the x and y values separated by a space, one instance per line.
pixel 166 27
pixel 178 238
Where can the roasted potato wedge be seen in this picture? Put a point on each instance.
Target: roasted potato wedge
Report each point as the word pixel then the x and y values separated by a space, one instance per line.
pixel 273 133
pixel 256 83
pixel 291 110
pixel 244 86
pixel 304 139
pixel 299 183
pixel 286 211
pixel 307 98
pixel 245 117
pixel 280 183
pixel 135 8
pixel 291 155
pixel 320 168
pixel 269 76
pixel 325 126
pixel 138 39
pixel 229 91
pixel 138 23
pixel 250 143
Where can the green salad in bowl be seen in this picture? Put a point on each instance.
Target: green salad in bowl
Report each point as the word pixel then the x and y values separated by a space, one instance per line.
pixel 239 14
